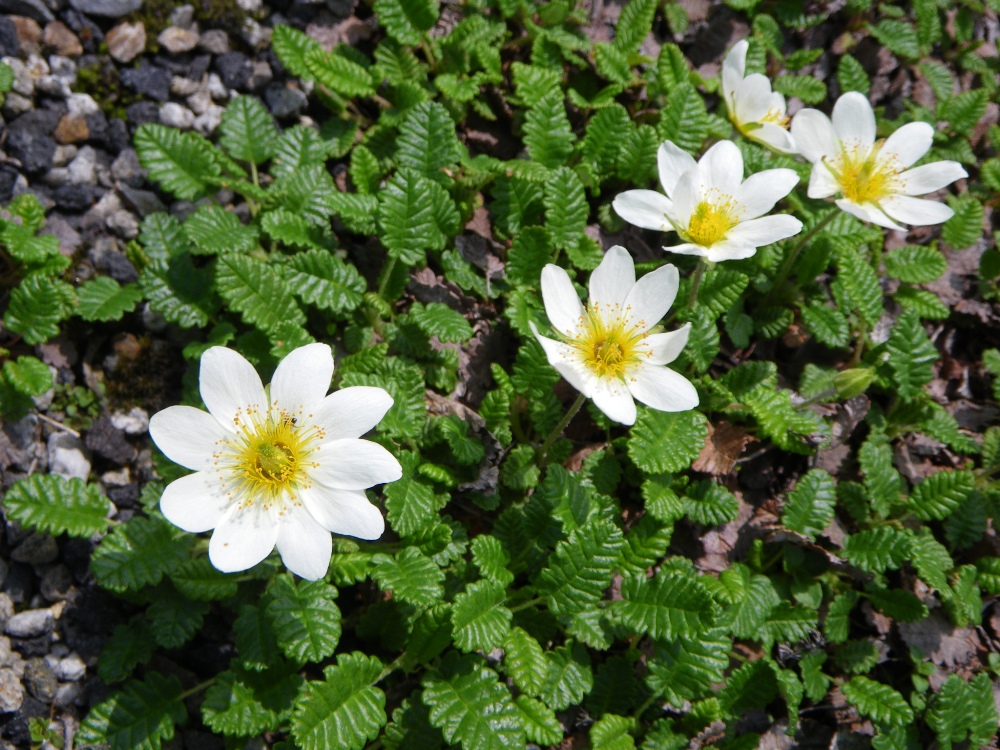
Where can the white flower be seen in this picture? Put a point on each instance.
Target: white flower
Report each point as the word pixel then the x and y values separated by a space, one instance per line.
pixel 873 177
pixel 607 352
pixel 281 466
pixel 717 213
pixel 756 111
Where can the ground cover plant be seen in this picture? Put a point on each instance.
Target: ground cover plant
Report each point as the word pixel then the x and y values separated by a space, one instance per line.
pixel 729 493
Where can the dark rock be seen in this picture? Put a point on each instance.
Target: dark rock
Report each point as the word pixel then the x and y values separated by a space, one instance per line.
pixel 35 9
pixel 8 38
pixel 89 32
pixel 120 268
pixel 29 139
pixel 32 646
pixel 37 549
pixel 117 138
pixel 142 112
pixel 234 69
pixel 73 197
pixel 148 80
pixel 97 124
pixel 195 740
pixel 16 727
pixel 76 554
pixel 40 679
pixel 109 8
pixel 89 619
pixel 8 176
pixel 199 67
pixel 124 497
pixel 104 439
pixel 56 583
pixel 284 101
pixel 20 583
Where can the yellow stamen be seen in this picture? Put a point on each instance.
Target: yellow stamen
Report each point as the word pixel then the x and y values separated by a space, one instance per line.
pixel 711 220
pixel 776 117
pixel 609 342
pixel 862 178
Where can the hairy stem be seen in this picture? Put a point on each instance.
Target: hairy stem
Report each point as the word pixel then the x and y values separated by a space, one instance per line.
pixel 543 452
pixel 786 267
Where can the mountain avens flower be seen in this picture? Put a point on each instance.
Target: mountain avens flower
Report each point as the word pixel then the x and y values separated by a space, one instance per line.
pixel 606 350
pixel 278 466
pixel 873 177
pixel 756 111
pixel 717 213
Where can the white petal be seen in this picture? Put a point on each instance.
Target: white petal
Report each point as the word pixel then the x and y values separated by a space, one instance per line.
pixel 613 278
pixel 672 161
pixel 722 167
pixel 229 384
pixel 733 69
pixel 195 503
pixel 916 211
pixel 774 136
pixel 814 135
pixel 346 512
pixel 730 250
pixel 687 196
pixel 304 545
pixel 351 412
pixel 645 208
pixel 354 464
pixel 822 183
pixel 662 388
pixel 566 362
pixel 648 301
pixel 854 121
pixel 302 379
pixel 187 436
pixel 765 230
pixel 867 212
pixel 931 177
pixel 561 303
pixel 753 98
pixel 762 190
pixel 614 399
pixel 666 347
pixel 907 144
pixel 242 539
pixel 687 248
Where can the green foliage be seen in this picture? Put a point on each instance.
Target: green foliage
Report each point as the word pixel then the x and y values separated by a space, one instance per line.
pixel 478 618
pixel 243 704
pixel 304 618
pixel 181 162
pixel 810 506
pixel 581 567
pixel 664 441
pixel 141 717
pixel 139 553
pixel 57 505
pixel 877 701
pixel 670 606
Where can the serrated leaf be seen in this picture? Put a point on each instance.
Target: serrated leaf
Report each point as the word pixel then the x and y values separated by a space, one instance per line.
pixel 580 568
pixel 810 506
pixel 407 20
pixel 411 576
pixel 479 619
pixel 262 297
pixel 877 550
pixel 684 120
pixel 427 140
pixel 711 504
pixel 104 299
pixel 912 356
pixel 174 618
pixel 37 305
pixel 877 701
pixel 827 324
pixel 27 375
pixel 198 579
pixel 180 161
pixel 338 73
pixel 309 192
pixel 179 292
pixel 611 732
pixel 666 441
pixel 140 717
pixel 810 90
pixel 323 280
pixel 566 207
pixel 547 132
pixel 851 76
pixel 882 481
pixel 437 319
pixel 916 264
pixel 751 596
pixel 899 604
pixel 304 618
pixel 48 502
pixel 861 284
pixel 244 704
pixel 540 723
pixel 966 227
pixel 790 623
pixel 687 668
pixel 291 46
pixel 569 676
pixel 300 146
pixel 965 110
pixel 670 606
pixel 492 560
pixel 415 214
pixel 254 639
pixel 963 710
pixel 411 503
pixel 940 494
pixel 344 710
pixel 215 231
pixel 139 553
pixel 525 662
pixel 130 644
pixel 247 131
pixel 899 36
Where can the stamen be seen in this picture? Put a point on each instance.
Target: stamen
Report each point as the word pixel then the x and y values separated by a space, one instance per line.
pixel 712 219
pixel 863 177
pixel 609 341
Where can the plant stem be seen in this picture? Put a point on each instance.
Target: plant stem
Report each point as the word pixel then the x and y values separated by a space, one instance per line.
pixel 696 278
pixel 390 668
pixel 529 603
pixel 786 267
pixel 197 689
pixel 386 275
pixel 543 452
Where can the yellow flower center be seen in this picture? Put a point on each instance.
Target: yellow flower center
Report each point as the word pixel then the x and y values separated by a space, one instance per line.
pixel 268 458
pixel 776 117
pixel 861 177
pixel 608 345
pixel 711 220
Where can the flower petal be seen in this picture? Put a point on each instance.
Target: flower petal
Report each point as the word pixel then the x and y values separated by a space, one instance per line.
pixel 302 379
pixel 762 190
pixel 195 503
pixel 561 303
pixel 352 412
pixel 304 545
pixel 672 162
pixel 566 362
pixel 346 512
pixel 822 183
pixel 916 211
pixel 648 301
pixel 243 538
pixel 931 177
pixel 722 167
pixel 753 98
pixel 907 144
pixel 854 121
pixel 765 230
pixel 733 69
pixel 229 385
pixel 612 280
pixel 867 212
pixel 774 136
pixel 662 388
pixel 187 436
pixel 666 347
pixel 814 135
pixel 687 196
pixel 730 250
pixel 614 399
pixel 352 464
pixel 645 208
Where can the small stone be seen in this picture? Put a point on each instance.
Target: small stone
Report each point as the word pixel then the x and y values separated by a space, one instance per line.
pixel 6 612
pixel 234 69
pixel 61 39
pixel 109 8
pixel 183 16
pixel 37 549
pixel 9 658
pixel 176 116
pixel 83 169
pixel 207 122
pixel 260 76
pixel 31 623
pixel 56 583
pixel 217 88
pixel 134 422
pixel 185 86
pixel 37 67
pixel 9 43
pixel 250 6
pixel 62 230
pixel 214 41
pixel 177 40
pixel 72 129
pixel 11 692
pixel 148 80
pixel 28 139
pixel 124 224
pixel 54 86
pixel 28 647
pixel 40 679
pixel 63 68
pixel 14 106
pixel 71 669
pixel 254 34
pixel 200 101
pixel 284 101
pixel 142 112
pixel 107 441
pixel 66 456
pixel 68 694
pixel 82 104
pixel 126 168
pixel 28 31
pixel 74 197
pixel 145 202
pixel 23 83
pixel 126 41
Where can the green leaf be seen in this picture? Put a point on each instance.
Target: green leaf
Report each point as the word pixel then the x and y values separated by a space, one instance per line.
pixel 861 284
pixel 601 144
pixel 566 208
pixel 407 20
pixel 720 289
pixel 478 617
pixel 611 732
pixel 344 710
pixel 411 576
pixel 963 710
pixel 939 78
pixel 964 111
pixel 139 553
pixel 877 550
pixel 304 618
pixel 547 132
pixel 687 668
pixel 104 299
pixel 540 723
pixel 321 279
pixel 437 319
pixel 415 214
pixel 569 676
pixel 877 701
pixel 898 604
pixel 48 502
pixel 666 441
pixel 931 560
pixel 198 579
pixel 966 227
pixel 140 717
pixel 751 686
pixel 338 73
pixel 471 707
pixel 427 140
pixel 837 623
pixel 527 256
pixel 911 356
pixel 922 303
pixel 291 46
pixel 882 481
pixel 491 558
pixel 711 504
pixel 857 657
pixel 262 297
pixel 789 623
pixel 916 264
pixel 670 606
pixel 899 36
pixel 175 618
pixel 525 662
pixel 180 161
pixel 810 90
pixel 827 324
pixel 300 146
pixel 851 76
pixel 410 502
pixel 254 638
pixel 244 704
pixel 215 231
pixel 752 598
pixel 37 305
pixel 179 292
pixel 815 682
pixel 940 494
pixel 684 119
pixel 580 568
pixel 27 375
pixel 247 131
pixel 309 192
pixel 130 644
pixel 810 506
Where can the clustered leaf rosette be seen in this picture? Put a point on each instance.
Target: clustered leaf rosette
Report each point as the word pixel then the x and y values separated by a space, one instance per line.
pixel 607 351
pixel 278 466
pixel 756 111
pixel 717 213
pixel 873 177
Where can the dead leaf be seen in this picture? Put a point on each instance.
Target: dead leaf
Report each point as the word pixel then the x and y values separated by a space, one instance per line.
pixel 723 445
pixel 942 642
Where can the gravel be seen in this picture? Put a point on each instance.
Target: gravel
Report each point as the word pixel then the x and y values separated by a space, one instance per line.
pixel 31 623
